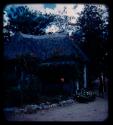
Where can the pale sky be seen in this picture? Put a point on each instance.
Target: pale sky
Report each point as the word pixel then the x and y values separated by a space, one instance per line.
pixel 58 9
pixel 71 10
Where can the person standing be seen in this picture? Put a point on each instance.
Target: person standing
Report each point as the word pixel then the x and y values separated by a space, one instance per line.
pixel 101 85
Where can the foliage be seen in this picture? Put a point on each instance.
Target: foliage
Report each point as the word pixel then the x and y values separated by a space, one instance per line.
pixel 63 22
pixel 21 18
pixel 85 96
pixel 26 90
pixel 93 24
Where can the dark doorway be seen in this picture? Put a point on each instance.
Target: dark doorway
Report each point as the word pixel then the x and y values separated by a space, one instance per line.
pixel 56 80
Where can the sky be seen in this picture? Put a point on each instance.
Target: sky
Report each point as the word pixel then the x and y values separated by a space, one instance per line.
pixel 52 6
pixel 71 10
pixel 58 8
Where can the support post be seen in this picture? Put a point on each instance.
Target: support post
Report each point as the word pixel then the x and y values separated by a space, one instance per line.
pixel 77 86
pixel 85 77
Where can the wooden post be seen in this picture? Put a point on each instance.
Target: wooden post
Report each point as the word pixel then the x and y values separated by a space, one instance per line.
pixel 85 77
pixel 74 86
pixel 20 86
pixel 77 86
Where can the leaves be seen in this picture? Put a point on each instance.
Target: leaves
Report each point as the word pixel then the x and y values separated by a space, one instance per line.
pixel 93 23
pixel 27 21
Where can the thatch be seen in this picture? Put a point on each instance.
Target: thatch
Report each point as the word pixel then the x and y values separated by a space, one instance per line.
pixel 42 47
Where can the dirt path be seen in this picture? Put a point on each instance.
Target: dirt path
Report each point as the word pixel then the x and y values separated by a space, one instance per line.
pixel 93 111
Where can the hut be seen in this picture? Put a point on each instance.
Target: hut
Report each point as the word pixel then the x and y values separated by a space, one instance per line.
pixel 54 58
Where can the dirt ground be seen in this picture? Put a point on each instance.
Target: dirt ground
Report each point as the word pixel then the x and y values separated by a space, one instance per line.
pixel 92 111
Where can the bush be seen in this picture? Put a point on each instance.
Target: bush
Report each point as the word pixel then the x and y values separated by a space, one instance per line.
pixel 85 96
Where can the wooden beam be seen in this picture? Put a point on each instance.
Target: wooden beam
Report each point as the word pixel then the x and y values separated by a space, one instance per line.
pixel 85 76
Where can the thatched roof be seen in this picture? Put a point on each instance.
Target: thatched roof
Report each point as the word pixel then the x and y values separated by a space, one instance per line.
pixel 42 47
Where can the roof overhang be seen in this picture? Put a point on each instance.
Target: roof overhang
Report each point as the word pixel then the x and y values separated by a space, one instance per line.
pixel 58 63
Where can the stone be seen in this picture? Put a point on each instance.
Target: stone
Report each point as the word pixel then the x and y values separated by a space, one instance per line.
pixel 62 103
pixel 9 110
pixel 46 107
pixel 30 109
pixel 54 105
pixel 69 101
pixel 48 103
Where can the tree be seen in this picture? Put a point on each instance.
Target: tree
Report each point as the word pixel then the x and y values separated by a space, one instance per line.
pixel 62 22
pixel 93 23
pixel 21 18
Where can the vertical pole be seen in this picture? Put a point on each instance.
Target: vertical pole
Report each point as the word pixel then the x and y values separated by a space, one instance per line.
pixel 74 86
pixel 20 86
pixel 85 77
pixel 77 86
